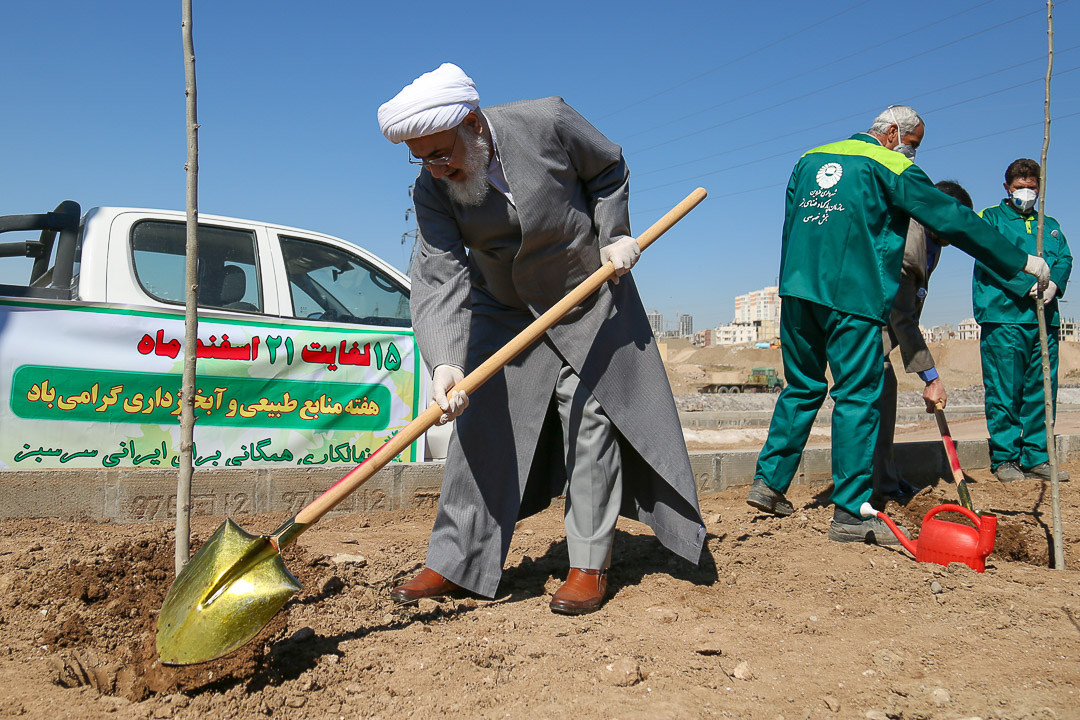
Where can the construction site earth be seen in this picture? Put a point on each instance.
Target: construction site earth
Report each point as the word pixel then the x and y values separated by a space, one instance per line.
pixel 775 621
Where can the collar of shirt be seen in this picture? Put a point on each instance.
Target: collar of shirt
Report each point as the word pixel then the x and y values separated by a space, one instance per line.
pixel 496 175
pixel 866 137
pixel 1007 202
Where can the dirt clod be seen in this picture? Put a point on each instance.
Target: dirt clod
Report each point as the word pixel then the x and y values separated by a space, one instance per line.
pixel 624 672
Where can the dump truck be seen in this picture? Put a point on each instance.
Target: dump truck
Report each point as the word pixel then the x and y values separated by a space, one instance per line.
pixel 761 379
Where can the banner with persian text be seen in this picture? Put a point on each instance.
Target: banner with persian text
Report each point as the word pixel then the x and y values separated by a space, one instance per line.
pixel 94 386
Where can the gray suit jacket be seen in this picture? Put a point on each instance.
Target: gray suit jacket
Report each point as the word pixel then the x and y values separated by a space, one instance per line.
pixel 903 328
pixel 484 273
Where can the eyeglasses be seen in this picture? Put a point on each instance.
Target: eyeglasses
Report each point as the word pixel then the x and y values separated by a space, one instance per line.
pixel 438 161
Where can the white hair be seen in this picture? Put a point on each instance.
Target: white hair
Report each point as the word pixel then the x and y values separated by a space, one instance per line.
pixel 905 118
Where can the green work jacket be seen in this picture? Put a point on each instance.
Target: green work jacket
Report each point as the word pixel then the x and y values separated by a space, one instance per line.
pixel 848 206
pixel 997 300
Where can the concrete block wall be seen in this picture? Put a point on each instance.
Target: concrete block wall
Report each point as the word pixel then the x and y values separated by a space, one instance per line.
pixel 142 495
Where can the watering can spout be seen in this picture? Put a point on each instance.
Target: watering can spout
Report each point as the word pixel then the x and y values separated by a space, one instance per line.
pixel 867 510
pixel 987 534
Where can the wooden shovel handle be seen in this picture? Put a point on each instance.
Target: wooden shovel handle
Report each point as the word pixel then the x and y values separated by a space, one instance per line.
pixel 950 446
pixel 411 432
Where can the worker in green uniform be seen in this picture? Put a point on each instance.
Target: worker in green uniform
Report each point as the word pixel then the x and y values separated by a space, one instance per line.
pixel 848 208
pixel 1011 352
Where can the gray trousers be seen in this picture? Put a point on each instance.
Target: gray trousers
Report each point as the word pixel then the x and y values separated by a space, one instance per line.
pixel 593 472
pixel 886 479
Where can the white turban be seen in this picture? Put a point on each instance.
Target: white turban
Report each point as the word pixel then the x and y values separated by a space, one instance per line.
pixel 435 101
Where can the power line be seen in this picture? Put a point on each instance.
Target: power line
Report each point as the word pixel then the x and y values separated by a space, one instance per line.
pixel 819 68
pixel 840 82
pixel 795 150
pixel 1002 132
pixel 861 113
pixel 1000 90
pixel 733 61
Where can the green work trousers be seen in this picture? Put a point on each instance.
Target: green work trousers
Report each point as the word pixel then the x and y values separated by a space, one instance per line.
pixel 1013 388
pixel 811 336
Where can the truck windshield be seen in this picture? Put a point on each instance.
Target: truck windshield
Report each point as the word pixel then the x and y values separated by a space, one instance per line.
pixel 330 284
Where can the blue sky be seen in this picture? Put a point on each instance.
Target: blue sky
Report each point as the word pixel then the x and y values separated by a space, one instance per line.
pixel 722 95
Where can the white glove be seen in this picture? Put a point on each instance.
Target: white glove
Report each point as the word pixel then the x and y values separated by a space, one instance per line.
pixel 1048 294
pixel 622 253
pixel 1037 266
pixel 453 402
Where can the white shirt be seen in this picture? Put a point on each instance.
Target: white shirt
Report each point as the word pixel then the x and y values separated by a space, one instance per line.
pixel 495 173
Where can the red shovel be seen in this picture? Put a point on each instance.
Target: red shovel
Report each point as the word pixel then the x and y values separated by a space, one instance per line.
pixel 954 460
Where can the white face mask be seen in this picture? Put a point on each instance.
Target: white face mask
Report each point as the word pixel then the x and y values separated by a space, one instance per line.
pixel 1023 199
pixel 901 147
pixel 905 150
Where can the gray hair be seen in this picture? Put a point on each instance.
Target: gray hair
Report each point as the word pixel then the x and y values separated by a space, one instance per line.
pixel 904 117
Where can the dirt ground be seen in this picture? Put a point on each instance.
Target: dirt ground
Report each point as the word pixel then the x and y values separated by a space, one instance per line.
pixel 775 622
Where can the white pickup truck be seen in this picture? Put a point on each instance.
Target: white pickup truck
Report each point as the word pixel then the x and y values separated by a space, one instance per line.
pixel 306 354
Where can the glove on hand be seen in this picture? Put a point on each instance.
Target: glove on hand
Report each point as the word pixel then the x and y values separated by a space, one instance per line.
pixel 1048 294
pixel 453 402
pixel 622 253
pixel 1037 266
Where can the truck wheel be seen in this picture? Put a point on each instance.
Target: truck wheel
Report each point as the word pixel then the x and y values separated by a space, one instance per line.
pixel 736 389
pixel 777 390
pixel 722 389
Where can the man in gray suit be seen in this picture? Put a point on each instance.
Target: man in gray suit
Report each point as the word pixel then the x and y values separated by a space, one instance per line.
pixel 921 255
pixel 516 205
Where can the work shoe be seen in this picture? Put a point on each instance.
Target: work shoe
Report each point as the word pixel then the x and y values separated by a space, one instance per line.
pixel 902 494
pixel 1042 472
pixel 765 498
pixel 425 585
pixel 846 527
pixel 1008 472
pixel 583 592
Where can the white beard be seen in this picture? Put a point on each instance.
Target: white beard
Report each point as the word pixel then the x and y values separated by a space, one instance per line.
pixel 474 188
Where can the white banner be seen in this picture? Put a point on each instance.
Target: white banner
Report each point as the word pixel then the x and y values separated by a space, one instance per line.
pixel 99 387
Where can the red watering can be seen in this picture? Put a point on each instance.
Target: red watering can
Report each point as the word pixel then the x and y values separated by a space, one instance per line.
pixel 944 542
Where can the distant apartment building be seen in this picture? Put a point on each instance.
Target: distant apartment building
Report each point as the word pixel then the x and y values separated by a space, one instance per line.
pixel 656 322
pixel 735 334
pixel 968 330
pixel 758 306
pixel 937 333
pixel 703 338
pixel 1069 331
pixel 762 309
pixel 686 326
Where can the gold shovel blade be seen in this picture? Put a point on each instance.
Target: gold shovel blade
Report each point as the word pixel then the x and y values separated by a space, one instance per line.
pixel 221 599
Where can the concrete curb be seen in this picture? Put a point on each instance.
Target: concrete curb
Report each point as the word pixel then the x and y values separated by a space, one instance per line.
pixel 715 419
pixel 920 463
pixel 142 495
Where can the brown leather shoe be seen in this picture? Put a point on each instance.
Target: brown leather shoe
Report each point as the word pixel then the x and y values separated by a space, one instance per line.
pixel 427 584
pixel 583 592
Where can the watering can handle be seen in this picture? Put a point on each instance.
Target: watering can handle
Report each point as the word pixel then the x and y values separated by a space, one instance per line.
pixel 974 517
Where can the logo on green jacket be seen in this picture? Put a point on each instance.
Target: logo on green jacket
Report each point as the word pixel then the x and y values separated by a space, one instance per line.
pixel 821 199
pixel 829 175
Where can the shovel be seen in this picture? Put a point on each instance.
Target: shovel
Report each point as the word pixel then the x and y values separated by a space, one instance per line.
pixel 237 581
pixel 954 460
